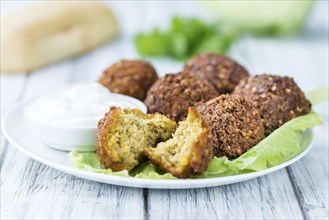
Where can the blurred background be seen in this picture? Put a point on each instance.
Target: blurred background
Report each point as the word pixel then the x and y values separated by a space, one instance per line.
pixel 279 37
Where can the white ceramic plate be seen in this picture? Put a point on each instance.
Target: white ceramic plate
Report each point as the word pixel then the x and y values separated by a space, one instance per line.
pixel 16 131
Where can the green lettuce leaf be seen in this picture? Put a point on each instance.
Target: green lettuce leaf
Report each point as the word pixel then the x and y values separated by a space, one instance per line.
pixel 89 161
pixel 150 171
pixel 283 144
pixel 318 94
pixel 280 146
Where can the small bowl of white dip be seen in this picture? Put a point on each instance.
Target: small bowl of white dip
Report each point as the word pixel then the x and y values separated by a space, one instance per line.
pixel 67 119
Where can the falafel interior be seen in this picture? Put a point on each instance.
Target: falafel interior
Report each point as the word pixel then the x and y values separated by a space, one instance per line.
pixel 188 152
pixel 123 134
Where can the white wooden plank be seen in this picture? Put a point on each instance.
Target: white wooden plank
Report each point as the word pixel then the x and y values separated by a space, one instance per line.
pixel 310 179
pixel 267 197
pixel 310 175
pixel 271 200
pixel 308 64
pixel 32 190
pixel 14 162
pixel 38 191
pixel 12 86
pixel 307 61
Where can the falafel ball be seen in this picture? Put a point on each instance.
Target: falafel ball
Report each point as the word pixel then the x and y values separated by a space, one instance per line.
pixel 189 151
pixel 235 122
pixel 222 72
pixel 122 135
pixel 278 99
pixel 129 77
pixel 174 93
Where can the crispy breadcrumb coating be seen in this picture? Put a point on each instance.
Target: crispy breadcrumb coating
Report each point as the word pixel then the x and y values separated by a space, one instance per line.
pixel 235 122
pixel 222 72
pixel 278 99
pixel 173 94
pixel 129 77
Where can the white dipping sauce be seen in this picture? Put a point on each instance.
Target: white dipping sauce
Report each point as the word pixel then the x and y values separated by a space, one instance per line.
pixel 79 106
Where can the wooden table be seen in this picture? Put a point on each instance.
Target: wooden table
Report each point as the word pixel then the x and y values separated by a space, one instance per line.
pixel 30 189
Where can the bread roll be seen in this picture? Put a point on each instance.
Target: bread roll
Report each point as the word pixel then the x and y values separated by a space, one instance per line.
pixel 37 35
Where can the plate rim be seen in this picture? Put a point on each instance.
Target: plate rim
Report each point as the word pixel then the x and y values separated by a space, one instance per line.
pixel 141 182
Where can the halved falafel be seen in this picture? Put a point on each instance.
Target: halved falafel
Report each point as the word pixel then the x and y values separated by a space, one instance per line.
pixel 129 77
pixel 235 123
pixel 123 134
pixel 173 94
pixel 222 72
pixel 278 99
pixel 189 151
